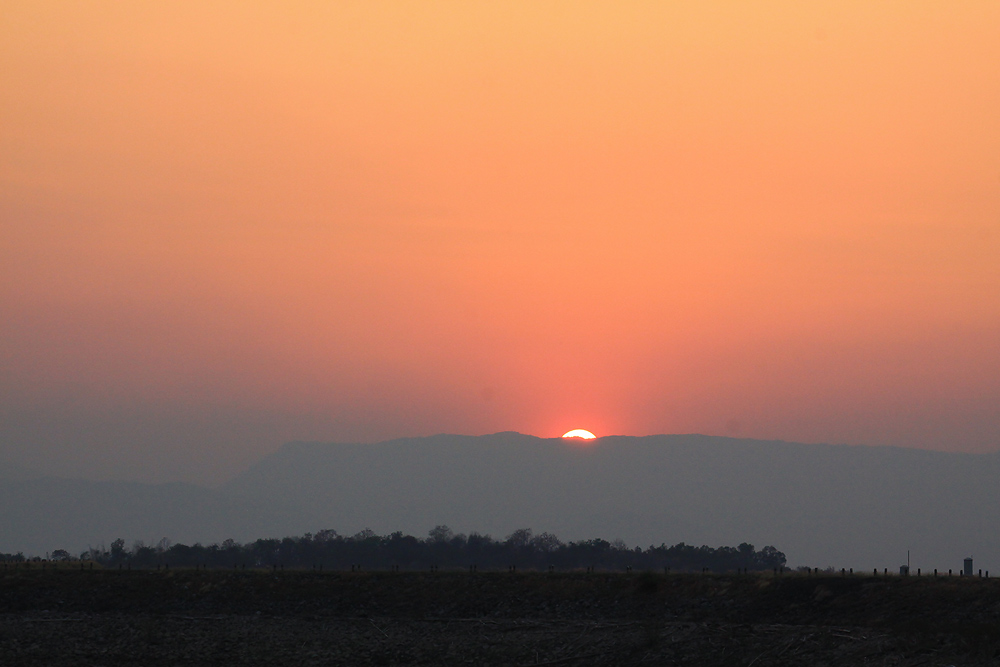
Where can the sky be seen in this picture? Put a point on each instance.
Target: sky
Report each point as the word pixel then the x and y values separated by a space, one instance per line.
pixel 227 225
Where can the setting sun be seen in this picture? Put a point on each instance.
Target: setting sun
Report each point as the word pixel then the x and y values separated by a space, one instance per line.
pixel 579 433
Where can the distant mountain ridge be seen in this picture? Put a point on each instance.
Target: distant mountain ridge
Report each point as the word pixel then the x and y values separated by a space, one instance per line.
pixel 860 507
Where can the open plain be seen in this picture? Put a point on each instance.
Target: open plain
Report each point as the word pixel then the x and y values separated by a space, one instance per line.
pixel 101 617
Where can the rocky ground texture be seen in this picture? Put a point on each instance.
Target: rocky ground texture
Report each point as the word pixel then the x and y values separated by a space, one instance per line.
pixel 68 617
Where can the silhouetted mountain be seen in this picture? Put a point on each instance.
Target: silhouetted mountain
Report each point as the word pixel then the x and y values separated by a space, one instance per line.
pixel 860 507
pixel 10 471
pixel 49 513
pixel 821 504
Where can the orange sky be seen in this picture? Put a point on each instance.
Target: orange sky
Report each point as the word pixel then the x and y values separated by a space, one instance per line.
pixel 241 223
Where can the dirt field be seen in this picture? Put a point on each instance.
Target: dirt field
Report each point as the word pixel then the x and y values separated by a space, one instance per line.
pixel 97 617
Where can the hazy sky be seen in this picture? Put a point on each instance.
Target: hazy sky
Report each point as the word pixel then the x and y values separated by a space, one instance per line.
pixel 224 225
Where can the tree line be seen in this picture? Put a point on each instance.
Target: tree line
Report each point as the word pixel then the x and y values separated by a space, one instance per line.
pixel 442 548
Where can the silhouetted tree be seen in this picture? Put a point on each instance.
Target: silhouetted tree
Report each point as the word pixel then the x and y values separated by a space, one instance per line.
pixel 442 548
pixel 118 550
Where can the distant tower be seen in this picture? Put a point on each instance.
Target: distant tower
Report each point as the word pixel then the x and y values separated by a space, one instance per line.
pixel 968 566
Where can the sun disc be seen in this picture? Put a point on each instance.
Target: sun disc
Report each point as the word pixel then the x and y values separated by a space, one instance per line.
pixel 579 433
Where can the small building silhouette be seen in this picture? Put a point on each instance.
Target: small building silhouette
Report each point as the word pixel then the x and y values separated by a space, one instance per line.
pixel 968 566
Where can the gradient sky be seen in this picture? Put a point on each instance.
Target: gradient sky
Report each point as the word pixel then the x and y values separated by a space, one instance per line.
pixel 230 224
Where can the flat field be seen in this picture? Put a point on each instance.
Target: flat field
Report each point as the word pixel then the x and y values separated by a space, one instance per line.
pixel 96 617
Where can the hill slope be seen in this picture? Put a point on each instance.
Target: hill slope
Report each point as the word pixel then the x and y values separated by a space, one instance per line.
pixel 824 505
pixel 859 507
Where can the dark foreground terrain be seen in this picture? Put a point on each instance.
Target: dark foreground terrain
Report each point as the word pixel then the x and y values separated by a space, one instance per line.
pixel 69 617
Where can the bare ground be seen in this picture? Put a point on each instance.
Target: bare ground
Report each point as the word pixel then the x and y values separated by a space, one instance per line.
pixel 457 618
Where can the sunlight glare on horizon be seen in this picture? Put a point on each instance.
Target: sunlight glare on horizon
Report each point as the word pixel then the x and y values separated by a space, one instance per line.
pixel 579 433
